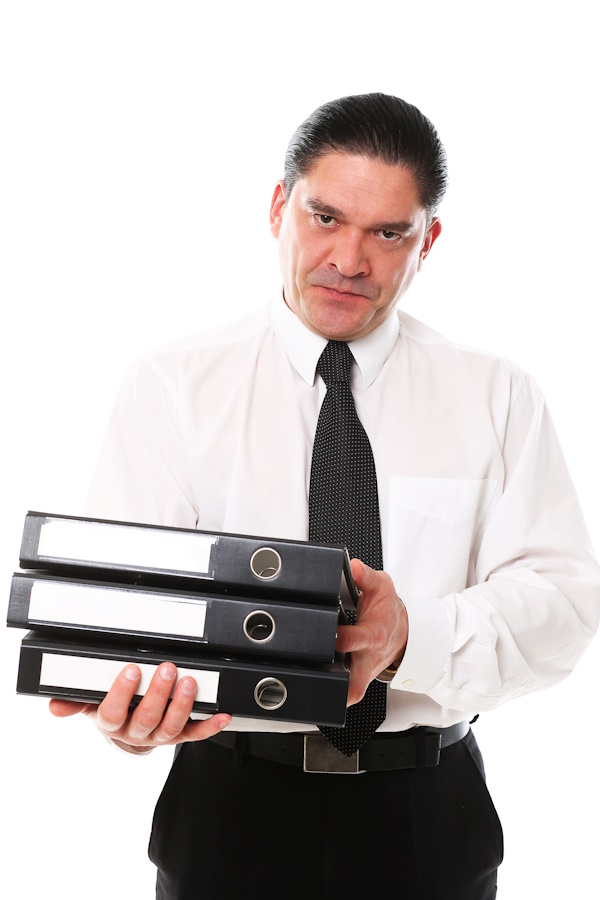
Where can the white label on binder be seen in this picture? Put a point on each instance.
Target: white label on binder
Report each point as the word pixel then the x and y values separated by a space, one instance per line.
pixel 115 608
pixel 93 674
pixel 126 545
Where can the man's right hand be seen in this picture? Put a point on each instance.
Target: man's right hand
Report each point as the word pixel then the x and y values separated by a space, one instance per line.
pixel 151 723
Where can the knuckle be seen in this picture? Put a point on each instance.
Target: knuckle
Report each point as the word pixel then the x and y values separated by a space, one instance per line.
pixel 108 723
pixel 168 733
pixel 145 722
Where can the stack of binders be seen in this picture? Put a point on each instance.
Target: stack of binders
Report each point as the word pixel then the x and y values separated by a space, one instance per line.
pixel 253 620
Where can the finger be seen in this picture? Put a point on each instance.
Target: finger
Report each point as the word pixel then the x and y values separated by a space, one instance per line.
pixel 64 708
pixel 205 728
pixel 360 678
pixel 150 710
pixel 114 709
pixel 352 637
pixel 177 713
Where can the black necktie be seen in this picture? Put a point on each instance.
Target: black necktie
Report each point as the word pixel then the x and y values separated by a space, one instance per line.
pixel 343 508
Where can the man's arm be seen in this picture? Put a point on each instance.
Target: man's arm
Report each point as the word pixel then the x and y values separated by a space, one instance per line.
pixel 532 603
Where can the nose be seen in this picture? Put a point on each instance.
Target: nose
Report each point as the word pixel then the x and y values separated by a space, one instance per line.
pixel 348 253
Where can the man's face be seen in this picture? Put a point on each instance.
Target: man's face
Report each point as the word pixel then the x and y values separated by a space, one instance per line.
pixel 352 236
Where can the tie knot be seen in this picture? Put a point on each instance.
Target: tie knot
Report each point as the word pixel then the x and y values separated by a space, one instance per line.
pixel 335 363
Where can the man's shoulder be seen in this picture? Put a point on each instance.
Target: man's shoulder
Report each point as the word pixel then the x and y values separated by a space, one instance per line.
pixel 202 361
pixel 424 339
pixel 214 348
pixel 240 331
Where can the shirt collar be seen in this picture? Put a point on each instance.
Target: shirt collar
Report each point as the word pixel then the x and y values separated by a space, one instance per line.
pixel 303 347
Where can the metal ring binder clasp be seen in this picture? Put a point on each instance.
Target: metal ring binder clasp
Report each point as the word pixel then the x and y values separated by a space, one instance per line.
pixel 270 693
pixel 266 563
pixel 259 626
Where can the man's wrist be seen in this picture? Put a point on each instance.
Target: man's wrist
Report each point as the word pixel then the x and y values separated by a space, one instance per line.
pixel 389 672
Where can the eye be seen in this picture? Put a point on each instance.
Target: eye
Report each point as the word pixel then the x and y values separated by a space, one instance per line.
pixel 389 237
pixel 324 219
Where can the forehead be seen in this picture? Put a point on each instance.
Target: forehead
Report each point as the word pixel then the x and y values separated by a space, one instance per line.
pixel 360 187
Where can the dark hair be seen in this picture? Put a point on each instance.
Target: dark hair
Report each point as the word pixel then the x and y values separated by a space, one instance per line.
pixel 378 126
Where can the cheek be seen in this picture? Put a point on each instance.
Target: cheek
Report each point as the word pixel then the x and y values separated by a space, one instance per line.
pixel 294 251
pixel 287 259
pixel 401 277
pixel 389 281
pixel 306 260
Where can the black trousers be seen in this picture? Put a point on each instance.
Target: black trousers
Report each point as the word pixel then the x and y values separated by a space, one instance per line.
pixel 231 826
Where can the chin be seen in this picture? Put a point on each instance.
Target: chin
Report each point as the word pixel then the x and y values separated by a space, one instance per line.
pixel 337 326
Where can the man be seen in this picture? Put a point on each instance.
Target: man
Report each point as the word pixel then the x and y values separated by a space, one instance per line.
pixel 489 588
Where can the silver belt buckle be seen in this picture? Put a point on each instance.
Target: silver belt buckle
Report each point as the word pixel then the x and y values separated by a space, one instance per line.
pixel 321 757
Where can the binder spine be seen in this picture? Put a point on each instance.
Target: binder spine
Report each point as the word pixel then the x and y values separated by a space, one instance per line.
pixel 255 566
pixel 315 695
pixel 269 627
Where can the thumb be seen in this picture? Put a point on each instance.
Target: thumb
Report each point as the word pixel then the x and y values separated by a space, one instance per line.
pixel 64 708
pixel 362 574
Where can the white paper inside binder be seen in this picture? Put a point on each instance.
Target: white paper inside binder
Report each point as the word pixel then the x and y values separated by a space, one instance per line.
pixel 115 608
pixel 126 545
pixel 92 674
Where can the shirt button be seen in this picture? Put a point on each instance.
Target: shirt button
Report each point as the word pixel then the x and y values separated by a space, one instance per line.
pixel 408 682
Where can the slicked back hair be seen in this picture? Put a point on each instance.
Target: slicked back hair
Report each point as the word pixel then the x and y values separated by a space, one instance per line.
pixel 378 126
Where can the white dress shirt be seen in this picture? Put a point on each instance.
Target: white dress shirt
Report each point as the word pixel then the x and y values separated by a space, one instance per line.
pixel 481 528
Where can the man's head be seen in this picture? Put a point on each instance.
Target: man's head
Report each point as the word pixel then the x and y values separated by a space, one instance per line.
pixel 354 213
pixel 377 126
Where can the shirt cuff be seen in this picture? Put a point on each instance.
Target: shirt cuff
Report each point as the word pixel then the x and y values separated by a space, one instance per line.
pixel 428 647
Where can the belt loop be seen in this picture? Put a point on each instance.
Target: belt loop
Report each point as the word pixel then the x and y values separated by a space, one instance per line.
pixel 430 746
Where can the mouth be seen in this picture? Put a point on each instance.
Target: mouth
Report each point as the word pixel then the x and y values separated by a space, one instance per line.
pixel 335 294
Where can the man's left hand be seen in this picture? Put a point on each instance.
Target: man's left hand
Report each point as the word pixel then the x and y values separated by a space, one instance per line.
pixel 379 637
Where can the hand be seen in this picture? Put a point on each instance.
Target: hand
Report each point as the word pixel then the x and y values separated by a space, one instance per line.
pixel 379 637
pixel 152 723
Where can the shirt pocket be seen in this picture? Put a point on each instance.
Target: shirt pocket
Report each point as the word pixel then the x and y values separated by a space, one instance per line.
pixel 432 526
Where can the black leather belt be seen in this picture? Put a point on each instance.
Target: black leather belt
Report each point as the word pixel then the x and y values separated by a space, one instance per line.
pixel 383 752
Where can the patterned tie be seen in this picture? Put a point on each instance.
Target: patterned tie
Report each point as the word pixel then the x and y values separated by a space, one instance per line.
pixel 343 508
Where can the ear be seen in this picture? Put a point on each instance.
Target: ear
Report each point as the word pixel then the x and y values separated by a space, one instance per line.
pixel 277 204
pixel 431 235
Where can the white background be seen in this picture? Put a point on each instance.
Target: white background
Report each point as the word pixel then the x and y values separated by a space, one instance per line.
pixel 140 145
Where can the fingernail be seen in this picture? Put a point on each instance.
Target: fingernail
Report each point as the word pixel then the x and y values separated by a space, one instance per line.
pixel 224 724
pixel 167 672
pixel 131 673
pixel 188 687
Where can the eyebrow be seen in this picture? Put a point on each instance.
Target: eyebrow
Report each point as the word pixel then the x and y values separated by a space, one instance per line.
pixel 315 205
